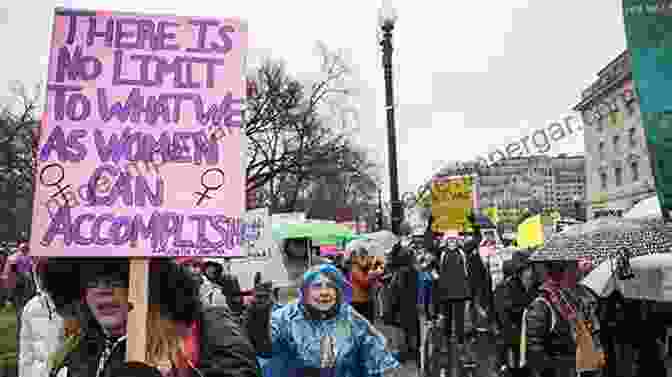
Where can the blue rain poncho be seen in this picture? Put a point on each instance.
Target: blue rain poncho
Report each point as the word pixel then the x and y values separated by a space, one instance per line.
pixel 359 350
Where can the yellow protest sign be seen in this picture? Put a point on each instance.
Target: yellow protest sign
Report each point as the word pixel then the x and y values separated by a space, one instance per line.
pixel 493 214
pixel 452 202
pixel 531 232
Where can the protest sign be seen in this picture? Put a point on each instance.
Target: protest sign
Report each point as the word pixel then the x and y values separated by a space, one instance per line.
pixel 487 248
pixel 648 29
pixel 531 232
pixel 257 240
pixel 140 88
pixel 452 201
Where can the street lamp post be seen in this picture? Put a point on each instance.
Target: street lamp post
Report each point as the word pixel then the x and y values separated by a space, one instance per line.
pixel 379 212
pixel 388 17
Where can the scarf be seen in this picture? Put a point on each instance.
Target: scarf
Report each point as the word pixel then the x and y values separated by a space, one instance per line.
pixel 554 292
pixel 588 356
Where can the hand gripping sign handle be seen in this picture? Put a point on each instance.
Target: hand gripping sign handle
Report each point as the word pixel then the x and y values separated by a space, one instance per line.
pixel 138 291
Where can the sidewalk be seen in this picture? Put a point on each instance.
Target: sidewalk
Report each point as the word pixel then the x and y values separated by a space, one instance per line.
pixel 483 348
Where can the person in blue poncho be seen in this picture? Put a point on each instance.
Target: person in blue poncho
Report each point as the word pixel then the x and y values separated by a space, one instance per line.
pixel 320 334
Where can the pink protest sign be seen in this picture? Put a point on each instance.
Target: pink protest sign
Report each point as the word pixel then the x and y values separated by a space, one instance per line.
pixel 487 249
pixel 140 152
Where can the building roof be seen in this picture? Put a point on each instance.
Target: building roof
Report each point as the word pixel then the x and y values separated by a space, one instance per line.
pixel 615 72
pixel 613 62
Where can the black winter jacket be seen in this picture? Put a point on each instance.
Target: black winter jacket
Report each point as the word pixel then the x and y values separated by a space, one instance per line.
pixel 511 299
pixel 453 283
pixel 231 289
pixel 224 350
pixel 479 279
pixel 230 285
pixel 548 348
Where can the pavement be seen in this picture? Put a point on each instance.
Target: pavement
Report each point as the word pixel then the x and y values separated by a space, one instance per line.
pixel 483 349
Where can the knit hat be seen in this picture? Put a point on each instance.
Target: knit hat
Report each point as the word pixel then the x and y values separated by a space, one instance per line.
pixel 171 286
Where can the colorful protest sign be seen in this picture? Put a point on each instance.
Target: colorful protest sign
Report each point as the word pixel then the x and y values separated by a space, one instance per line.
pixel 452 201
pixel 648 29
pixel 492 214
pixel 531 232
pixel 127 90
pixel 487 248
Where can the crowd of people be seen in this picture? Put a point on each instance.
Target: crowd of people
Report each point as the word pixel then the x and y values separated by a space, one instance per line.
pixel 74 323
pixel 72 315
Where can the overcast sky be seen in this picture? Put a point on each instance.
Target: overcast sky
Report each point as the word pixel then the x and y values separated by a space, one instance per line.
pixel 468 79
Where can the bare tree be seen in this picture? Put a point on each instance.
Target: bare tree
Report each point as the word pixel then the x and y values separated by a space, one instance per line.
pixel 18 137
pixel 293 140
pixel 351 182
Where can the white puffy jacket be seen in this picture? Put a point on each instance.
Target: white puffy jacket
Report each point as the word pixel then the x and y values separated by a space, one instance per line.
pixel 41 335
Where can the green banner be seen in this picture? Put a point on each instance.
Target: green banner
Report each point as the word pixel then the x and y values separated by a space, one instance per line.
pixel 648 30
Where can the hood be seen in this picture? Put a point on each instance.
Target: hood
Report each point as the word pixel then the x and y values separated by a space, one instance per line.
pixel 519 261
pixel 335 276
pixel 171 286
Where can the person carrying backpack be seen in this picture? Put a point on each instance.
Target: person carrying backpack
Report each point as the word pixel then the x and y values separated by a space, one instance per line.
pixel 557 336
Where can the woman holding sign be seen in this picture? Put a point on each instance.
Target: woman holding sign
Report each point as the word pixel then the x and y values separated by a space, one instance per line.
pixel 184 340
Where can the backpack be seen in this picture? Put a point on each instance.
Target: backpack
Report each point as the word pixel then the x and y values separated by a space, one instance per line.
pixel 587 356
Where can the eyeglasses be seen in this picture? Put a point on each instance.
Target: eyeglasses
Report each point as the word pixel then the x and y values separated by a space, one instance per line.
pixel 107 282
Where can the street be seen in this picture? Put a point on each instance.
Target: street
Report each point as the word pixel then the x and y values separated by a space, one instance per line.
pixel 483 348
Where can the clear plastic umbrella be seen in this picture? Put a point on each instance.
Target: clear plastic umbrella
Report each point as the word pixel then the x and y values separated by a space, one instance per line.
pixel 647 208
pixel 377 244
pixel 652 278
pixel 599 239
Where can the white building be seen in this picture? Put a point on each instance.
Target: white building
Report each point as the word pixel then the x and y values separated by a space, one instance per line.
pixel 618 169
pixel 553 182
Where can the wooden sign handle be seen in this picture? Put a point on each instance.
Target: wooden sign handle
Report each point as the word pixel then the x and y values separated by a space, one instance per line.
pixel 138 292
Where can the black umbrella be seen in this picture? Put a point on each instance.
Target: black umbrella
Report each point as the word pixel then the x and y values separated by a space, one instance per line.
pixel 606 237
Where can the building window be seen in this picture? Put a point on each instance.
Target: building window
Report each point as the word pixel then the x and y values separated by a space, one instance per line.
pixel 617 141
pixel 632 137
pixel 603 181
pixel 634 167
pixel 618 172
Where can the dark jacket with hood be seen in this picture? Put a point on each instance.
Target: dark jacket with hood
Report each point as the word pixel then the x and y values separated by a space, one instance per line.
pixel 479 277
pixel 550 343
pixel 453 283
pixel 511 299
pixel 456 268
pixel 401 294
pixel 223 348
